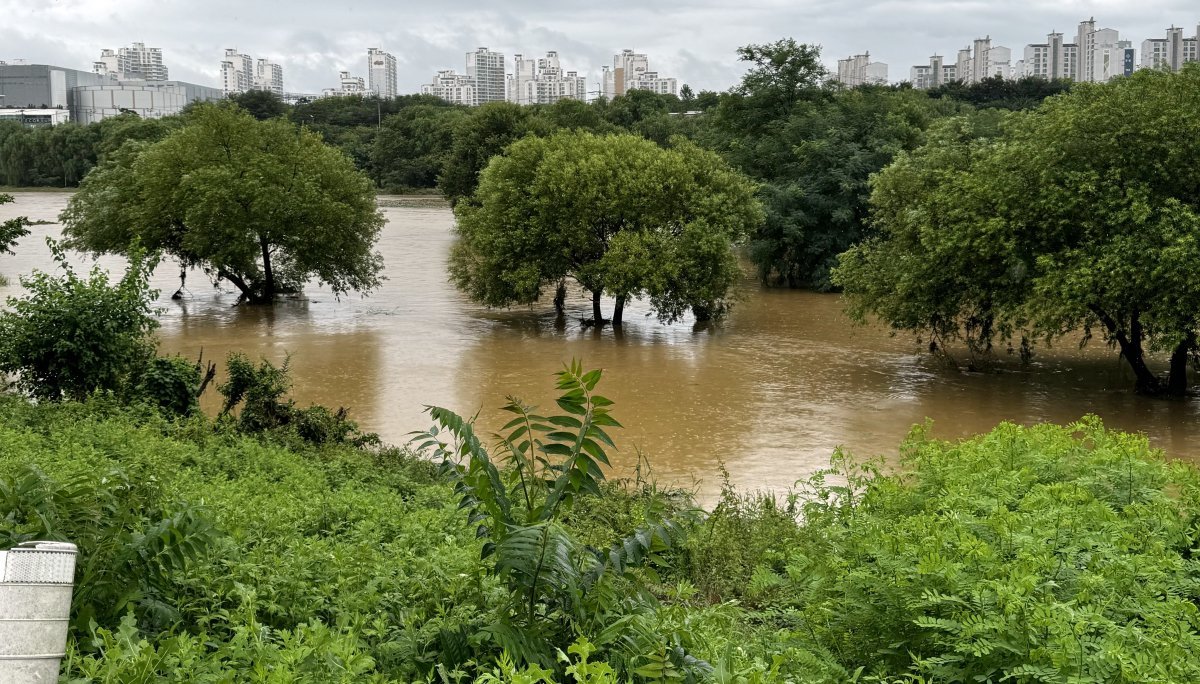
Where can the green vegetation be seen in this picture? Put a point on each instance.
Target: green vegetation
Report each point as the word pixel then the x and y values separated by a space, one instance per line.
pixel 12 229
pixel 1032 554
pixel 274 543
pixel 262 205
pixel 71 336
pixel 616 214
pixel 1081 215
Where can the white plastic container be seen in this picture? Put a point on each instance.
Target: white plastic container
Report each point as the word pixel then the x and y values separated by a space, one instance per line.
pixel 36 580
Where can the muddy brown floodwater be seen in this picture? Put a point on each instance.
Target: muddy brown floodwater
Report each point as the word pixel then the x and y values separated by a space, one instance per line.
pixel 770 393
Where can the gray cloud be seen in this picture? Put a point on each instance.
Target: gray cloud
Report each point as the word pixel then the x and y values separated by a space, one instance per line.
pixel 693 41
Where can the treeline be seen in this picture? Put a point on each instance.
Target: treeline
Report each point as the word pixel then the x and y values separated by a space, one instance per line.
pixel 810 143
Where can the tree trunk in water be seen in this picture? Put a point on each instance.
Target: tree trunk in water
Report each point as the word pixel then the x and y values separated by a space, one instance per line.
pixel 1177 381
pixel 597 314
pixel 618 311
pixel 560 298
pixel 703 314
pixel 1131 349
pixel 268 293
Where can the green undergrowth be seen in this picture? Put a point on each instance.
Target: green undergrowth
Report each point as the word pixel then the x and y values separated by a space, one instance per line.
pixel 1043 554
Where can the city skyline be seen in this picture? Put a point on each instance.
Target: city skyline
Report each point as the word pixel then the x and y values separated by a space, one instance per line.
pixel 696 45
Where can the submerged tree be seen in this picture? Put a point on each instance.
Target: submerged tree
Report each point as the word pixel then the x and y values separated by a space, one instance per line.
pixel 1083 216
pixel 616 214
pixel 263 205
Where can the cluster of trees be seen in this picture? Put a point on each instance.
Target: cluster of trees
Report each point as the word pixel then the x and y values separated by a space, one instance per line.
pixel 1080 216
pixel 616 214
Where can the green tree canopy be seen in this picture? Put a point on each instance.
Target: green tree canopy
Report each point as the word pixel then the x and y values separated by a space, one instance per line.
pixel 616 214
pixel 264 205
pixel 412 146
pixel 1083 216
pixel 261 104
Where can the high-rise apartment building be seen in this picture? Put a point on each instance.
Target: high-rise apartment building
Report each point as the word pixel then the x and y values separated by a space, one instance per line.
pixel 240 73
pixel 452 87
pixel 487 69
pixel 269 77
pixel 932 75
pixel 381 73
pixel 543 81
pixel 860 70
pixel 631 71
pixel 135 63
pixel 348 84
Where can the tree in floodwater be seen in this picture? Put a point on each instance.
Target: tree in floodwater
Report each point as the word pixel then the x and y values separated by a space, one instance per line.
pixel 263 205
pixel 12 229
pixel 1083 215
pixel 617 214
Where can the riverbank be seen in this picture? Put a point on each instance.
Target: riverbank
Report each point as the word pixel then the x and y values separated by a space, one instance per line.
pixel 213 554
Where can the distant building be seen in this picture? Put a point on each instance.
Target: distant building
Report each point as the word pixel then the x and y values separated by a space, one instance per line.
pixel 381 73
pixel 860 70
pixel 486 68
pixel 933 75
pixel 34 118
pixel 43 86
pixel 1171 52
pixel 147 99
pixel 631 71
pixel 348 85
pixel 543 81
pixel 268 76
pixel 452 87
pixel 136 62
pixel 240 73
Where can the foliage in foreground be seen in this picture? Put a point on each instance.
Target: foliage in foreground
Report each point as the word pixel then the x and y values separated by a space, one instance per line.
pixel 1042 554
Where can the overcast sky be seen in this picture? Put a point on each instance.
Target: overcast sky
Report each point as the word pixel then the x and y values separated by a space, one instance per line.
pixel 693 41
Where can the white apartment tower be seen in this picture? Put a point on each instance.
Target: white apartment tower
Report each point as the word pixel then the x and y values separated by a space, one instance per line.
pixel 134 63
pixel 860 70
pixel 1171 52
pixel 452 87
pixel 269 76
pixel 631 71
pixel 381 74
pixel 487 69
pixel 240 73
pixel 237 72
pixel 936 73
pixel 543 81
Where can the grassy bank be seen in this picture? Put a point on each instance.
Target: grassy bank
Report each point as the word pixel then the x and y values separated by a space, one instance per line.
pixel 1042 554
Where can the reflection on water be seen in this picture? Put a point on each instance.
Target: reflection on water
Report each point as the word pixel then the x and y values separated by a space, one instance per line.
pixel 771 392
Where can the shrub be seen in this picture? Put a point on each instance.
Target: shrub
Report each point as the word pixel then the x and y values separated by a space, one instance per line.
pixel 72 336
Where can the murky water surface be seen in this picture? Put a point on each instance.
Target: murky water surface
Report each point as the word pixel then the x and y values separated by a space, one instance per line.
pixel 770 393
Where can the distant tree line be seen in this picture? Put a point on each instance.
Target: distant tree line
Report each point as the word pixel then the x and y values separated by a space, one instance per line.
pixel 811 144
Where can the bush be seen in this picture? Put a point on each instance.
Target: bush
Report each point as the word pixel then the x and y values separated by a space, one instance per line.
pixel 71 336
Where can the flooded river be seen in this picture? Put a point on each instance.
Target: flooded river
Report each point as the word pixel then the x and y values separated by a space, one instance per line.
pixel 770 393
